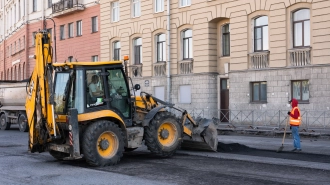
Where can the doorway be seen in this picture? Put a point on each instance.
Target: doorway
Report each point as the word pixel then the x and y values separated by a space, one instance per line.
pixel 224 100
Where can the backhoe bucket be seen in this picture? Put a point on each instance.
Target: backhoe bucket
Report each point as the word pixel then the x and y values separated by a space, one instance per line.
pixel 203 137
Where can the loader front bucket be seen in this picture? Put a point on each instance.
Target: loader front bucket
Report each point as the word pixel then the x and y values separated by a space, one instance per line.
pixel 203 137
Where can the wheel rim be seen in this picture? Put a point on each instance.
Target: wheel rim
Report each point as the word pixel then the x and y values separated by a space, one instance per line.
pixel 167 134
pixel 107 144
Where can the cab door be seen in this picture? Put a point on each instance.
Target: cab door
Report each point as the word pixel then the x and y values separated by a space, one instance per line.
pixel 119 97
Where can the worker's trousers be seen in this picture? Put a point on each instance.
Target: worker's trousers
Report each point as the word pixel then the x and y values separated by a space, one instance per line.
pixel 296 137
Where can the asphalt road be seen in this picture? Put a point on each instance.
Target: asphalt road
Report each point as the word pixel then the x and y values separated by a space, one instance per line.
pixel 17 166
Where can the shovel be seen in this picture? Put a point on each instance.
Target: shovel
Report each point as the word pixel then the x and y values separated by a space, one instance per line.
pixel 281 147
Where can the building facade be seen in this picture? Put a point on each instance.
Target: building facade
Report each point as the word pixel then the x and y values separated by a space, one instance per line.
pixel 75 23
pixel 224 54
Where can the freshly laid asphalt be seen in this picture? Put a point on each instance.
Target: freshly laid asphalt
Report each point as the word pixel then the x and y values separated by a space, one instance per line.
pixel 264 149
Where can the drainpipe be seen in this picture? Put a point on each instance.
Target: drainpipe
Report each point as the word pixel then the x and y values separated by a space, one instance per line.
pixel 27 50
pixel 168 52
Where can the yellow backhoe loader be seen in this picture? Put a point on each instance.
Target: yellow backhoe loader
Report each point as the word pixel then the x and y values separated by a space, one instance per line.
pixel 87 110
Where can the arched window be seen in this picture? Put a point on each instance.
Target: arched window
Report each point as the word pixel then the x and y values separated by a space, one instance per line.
pixel 138 51
pixel 301 28
pixel 226 40
pixel 161 47
pixel 11 73
pixel 19 73
pixel 23 73
pixel 116 50
pixel 261 34
pixel 15 74
pixel 187 44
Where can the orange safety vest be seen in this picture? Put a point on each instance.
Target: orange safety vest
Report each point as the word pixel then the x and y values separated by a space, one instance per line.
pixel 293 121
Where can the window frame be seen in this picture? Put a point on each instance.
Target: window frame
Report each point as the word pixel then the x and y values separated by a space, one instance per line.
pixel 253 92
pixel 223 35
pixel 301 89
pixel 116 50
pixel 94 24
pixel 50 4
pixel 70 30
pixel 303 28
pixel 115 9
pixel 34 6
pixel 136 3
pixel 189 43
pixel 70 58
pixel 163 44
pixel 137 53
pixel 262 34
pixel 188 3
pixel 79 28
pixel 33 38
pixel 62 32
pixel 95 58
pixel 162 6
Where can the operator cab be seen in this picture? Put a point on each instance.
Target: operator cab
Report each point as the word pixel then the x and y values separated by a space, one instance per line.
pixel 92 88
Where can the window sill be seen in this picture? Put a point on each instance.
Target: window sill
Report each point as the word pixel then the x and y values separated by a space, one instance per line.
pixel 227 56
pixel 94 32
pixel 303 102
pixel 258 102
pixel 184 6
pixel 79 36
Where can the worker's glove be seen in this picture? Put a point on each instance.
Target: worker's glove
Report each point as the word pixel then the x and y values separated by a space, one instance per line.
pixel 289 113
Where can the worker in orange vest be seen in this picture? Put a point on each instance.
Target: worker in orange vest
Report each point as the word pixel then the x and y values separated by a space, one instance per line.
pixel 295 120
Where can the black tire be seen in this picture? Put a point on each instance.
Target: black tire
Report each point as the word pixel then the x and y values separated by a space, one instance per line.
pixel 156 142
pixel 110 136
pixel 22 123
pixel 58 155
pixel 4 125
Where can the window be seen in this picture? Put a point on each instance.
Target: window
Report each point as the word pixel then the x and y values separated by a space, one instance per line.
pixel 19 9
pixel 261 34
pixel 301 28
pixel 62 32
pixel 160 92
pixel 136 8
pixel 161 48
pixel 94 24
pixel 115 11
pixel 70 30
pixel 185 2
pixel 185 94
pixel 95 58
pixel 95 88
pixel 226 40
pixel 34 3
pixel 70 58
pixel 14 48
pixel 34 38
pixel 300 90
pixel 19 45
pixel 50 31
pixel 79 28
pixel 259 91
pixel 159 5
pixel 116 50
pixel 138 51
pixel 187 44
pixel 49 3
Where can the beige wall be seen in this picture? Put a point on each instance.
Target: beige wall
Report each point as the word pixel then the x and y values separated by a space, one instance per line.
pixel 205 19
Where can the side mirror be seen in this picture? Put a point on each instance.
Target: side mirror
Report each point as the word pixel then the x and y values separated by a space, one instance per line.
pixel 137 87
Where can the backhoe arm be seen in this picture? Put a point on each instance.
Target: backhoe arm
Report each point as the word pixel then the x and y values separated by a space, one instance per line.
pixel 39 102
